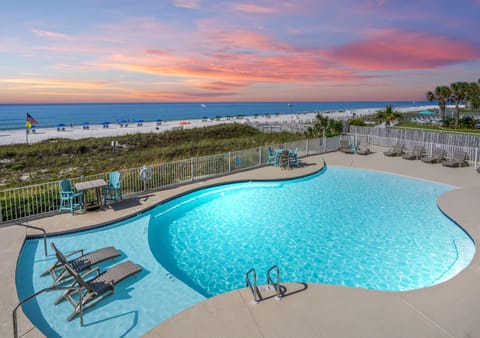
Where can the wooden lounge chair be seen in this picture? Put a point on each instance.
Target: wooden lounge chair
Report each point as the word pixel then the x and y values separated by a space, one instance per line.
pixel 459 159
pixel 396 151
pixel 416 153
pixel 346 147
pixel 438 155
pixel 84 262
pixel 98 287
pixel 363 149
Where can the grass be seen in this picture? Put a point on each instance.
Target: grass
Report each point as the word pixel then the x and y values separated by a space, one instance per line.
pixel 57 159
pixel 411 125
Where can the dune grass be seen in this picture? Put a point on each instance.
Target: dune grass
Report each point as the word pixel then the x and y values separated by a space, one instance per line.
pixel 57 159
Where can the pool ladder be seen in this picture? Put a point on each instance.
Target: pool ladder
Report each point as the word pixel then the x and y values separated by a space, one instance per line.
pixel 257 297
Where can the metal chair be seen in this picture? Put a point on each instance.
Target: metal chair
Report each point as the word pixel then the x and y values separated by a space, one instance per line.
pixel 69 199
pixel 113 191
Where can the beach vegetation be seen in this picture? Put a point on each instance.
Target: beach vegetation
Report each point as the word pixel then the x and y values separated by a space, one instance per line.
pixel 357 122
pixel 324 127
pixel 57 159
pixel 387 115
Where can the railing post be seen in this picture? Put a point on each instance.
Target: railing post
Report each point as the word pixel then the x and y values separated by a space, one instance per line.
pixel 306 147
pixel 260 149
pixel 192 168
pixel 229 162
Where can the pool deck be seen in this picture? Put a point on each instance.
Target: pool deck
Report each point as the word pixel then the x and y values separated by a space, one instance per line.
pixel 449 309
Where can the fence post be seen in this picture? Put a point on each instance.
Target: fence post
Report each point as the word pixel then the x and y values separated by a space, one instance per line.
pixel 229 162
pixel 259 155
pixel 324 144
pixel 306 147
pixel 192 168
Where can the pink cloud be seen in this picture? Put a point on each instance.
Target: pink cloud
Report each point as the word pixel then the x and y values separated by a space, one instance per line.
pixel 395 49
pixel 253 8
pixel 192 4
pixel 51 35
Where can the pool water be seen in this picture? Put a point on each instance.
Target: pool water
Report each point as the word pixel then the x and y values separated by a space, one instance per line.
pixel 343 226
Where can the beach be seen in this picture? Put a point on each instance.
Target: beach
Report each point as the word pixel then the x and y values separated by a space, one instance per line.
pixel 76 132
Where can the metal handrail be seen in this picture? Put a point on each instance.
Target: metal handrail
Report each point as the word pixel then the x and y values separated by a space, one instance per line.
pixel 253 288
pixel 270 280
pixel 51 288
pixel 44 235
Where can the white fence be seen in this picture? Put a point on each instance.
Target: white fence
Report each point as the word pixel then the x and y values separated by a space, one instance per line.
pixel 42 199
pixel 382 138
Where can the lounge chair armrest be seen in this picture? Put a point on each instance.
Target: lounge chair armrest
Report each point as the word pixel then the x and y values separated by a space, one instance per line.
pixel 74 252
pixel 96 269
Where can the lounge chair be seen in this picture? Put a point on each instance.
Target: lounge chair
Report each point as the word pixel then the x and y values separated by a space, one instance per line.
pixel 416 153
pixel 459 159
pixel 84 262
pixel 438 155
pixel 363 149
pixel 98 287
pixel 346 147
pixel 397 150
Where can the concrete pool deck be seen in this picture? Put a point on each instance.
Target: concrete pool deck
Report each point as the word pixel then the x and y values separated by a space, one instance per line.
pixel 449 309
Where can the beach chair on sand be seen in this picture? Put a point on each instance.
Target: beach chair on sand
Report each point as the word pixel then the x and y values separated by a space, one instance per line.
pixel 396 151
pixel 95 289
pixel 80 264
pixel 346 147
pixel 459 159
pixel 363 149
pixel 438 155
pixel 416 153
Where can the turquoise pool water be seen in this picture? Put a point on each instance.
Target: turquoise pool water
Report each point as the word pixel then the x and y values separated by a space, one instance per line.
pixel 344 226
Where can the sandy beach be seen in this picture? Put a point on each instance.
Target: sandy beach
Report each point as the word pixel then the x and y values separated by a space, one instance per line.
pixel 77 132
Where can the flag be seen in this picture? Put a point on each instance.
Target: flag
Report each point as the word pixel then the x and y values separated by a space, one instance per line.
pixel 31 119
pixel 28 125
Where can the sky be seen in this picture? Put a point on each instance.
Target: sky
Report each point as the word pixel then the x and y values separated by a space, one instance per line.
pixel 66 51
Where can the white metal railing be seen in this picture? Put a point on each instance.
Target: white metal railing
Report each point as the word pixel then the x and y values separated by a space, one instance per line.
pixel 381 143
pixel 42 199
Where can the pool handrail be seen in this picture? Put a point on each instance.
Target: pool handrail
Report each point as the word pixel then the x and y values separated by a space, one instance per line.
pixel 42 230
pixel 253 287
pixel 51 288
pixel 277 284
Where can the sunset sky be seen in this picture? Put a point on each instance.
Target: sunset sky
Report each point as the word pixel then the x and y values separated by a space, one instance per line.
pixel 211 50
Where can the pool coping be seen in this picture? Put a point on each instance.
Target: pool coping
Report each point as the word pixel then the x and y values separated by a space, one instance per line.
pixel 447 309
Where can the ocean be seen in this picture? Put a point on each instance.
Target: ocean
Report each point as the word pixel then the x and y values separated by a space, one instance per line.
pixel 13 116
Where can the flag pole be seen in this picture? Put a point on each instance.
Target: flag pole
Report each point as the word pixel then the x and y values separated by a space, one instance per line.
pixel 26 129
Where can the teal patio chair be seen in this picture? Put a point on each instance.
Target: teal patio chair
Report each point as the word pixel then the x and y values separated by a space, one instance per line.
pixel 272 158
pixel 293 158
pixel 113 191
pixel 69 198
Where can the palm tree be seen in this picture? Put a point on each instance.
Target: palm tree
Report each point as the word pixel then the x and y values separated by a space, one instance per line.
pixel 388 115
pixel 441 94
pixel 473 94
pixel 459 93
pixel 325 126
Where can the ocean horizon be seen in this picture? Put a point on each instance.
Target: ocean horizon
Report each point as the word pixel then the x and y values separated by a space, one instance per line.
pixel 13 116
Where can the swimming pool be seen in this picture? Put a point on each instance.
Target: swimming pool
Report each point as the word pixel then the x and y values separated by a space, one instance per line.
pixel 343 226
